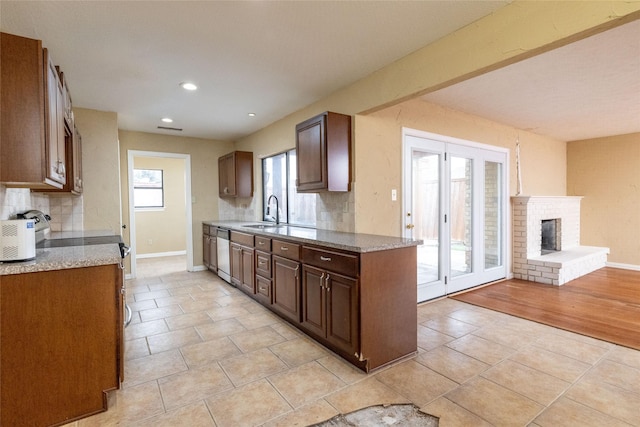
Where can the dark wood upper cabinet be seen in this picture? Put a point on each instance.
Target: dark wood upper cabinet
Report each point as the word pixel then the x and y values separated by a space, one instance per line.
pixel 323 149
pixel 235 174
pixel 32 125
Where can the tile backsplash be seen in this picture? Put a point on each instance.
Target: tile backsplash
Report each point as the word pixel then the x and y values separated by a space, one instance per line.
pixel 66 211
pixel 17 200
pixel 334 211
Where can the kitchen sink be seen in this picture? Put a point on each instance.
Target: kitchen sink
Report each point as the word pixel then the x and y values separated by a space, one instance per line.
pixel 264 226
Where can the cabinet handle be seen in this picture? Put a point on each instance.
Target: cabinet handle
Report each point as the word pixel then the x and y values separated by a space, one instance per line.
pixel 321 280
pixel 261 262
pixel 295 272
pixel 260 243
pixel 284 248
pixel 326 283
pixel 325 258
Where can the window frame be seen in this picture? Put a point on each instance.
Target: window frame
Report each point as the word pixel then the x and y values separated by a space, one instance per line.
pixel 288 189
pixel 139 187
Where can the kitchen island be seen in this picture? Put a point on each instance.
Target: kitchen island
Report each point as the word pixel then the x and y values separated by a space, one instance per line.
pixel 354 293
pixel 62 336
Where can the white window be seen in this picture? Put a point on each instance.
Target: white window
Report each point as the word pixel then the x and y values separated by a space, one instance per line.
pixel 148 190
pixel 279 180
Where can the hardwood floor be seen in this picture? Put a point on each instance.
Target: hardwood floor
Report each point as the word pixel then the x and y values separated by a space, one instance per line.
pixel 604 304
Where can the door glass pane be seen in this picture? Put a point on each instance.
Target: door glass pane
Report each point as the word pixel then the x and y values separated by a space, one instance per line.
pixel 492 214
pixel 461 211
pixel 426 213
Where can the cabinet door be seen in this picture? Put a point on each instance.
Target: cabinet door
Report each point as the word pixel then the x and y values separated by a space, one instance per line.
pixel 54 118
pixel 77 161
pixel 342 312
pixel 248 273
pixel 314 316
pixel 286 287
pixel 312 156
pixel 226 176
pixel 206 250
pixel 236 263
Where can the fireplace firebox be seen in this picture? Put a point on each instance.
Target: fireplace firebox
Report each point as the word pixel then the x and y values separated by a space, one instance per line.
pixel 550 236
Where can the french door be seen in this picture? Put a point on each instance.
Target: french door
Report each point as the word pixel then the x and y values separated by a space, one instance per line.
pixel 455 195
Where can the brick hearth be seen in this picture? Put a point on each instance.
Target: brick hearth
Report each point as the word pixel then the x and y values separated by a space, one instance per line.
pixel 556 268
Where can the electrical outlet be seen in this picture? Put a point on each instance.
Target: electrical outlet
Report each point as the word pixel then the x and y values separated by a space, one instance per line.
pixel 150 241
pixel 394 195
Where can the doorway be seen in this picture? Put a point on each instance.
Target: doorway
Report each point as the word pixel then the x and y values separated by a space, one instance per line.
pixel 188 235
pixel 455 200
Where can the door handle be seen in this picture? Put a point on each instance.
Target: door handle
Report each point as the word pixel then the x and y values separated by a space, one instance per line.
pixel 410 226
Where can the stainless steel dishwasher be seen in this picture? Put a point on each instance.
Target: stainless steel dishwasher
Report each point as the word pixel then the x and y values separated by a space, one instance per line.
pixel 224 264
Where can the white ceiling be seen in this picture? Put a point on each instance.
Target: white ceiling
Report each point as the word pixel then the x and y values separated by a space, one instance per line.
pixel 588 89
pixel 274 57
pixel 267 57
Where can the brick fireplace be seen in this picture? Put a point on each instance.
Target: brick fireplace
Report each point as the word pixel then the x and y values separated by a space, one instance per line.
pixel 533 257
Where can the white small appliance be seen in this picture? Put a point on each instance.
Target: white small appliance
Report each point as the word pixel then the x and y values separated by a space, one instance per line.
pixel 17 240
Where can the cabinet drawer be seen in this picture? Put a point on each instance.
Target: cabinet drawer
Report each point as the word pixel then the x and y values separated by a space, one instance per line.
pixel 333 261
pixel 263 289
pixel 286 249
pixel 242 238
pixel 263 264
pixel 263 243
pixel 205 229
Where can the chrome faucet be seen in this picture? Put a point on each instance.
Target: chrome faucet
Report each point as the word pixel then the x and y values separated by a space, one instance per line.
pixel 277 217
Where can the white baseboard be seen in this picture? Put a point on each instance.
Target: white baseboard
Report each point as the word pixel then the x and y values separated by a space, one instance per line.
pixel 623 266
pixel 199 268
pixel 160 254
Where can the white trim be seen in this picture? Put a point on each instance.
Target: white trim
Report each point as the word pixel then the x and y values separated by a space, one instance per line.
pixel 200 268
pixel 449 139
pixel 132 211
pixel 161 254
pixel 622 266
pixel 486 152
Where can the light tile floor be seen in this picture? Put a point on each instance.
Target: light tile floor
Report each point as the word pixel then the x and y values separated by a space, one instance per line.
pixel 201 353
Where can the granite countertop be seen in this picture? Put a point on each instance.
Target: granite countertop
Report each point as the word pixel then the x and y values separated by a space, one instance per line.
pixel 355 242
pixel 62 257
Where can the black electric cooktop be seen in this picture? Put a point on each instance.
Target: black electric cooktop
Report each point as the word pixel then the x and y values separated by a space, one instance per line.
pixel 79 241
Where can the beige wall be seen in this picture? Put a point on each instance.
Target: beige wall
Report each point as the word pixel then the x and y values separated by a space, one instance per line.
pixel 100 169
pixel 163 230
pixel 378 158
pixel 606 171
pixel 517 31
pixel 204 174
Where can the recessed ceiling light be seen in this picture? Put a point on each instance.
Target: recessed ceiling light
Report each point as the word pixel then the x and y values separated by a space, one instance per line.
pixel 188 86
pixel 167 120
pixel 252 114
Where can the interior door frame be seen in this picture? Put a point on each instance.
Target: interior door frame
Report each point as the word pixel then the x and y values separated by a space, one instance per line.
pixel 506 241
pixel 131 154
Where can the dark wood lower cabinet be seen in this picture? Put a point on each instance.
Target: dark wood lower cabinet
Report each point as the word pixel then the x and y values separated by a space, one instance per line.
pixel 330 307
pixel 242 272
pixel 61 344
pixel 286 287
pixel 363 305
pixel 209 248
